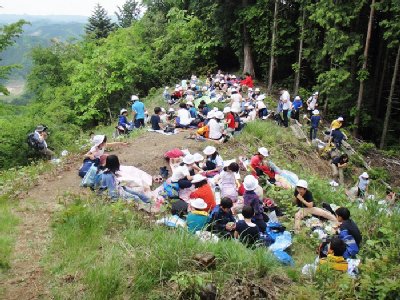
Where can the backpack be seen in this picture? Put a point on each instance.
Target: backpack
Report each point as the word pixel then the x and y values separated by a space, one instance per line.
pixel 33 142
pixel 204 131
pixel 92 177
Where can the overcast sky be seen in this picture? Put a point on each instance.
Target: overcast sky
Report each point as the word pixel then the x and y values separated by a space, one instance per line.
pixel 57 7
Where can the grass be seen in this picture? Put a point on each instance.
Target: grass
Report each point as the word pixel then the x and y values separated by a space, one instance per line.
pixel 13 183
pixel 125 255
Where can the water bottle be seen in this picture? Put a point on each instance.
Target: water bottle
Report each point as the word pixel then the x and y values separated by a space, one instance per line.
pixel 217 192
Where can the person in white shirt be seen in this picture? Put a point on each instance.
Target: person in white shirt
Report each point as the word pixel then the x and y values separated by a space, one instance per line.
pixel 216 129
pixel 312 103
pixel 286 106
pixel 183 174
pixel 183 119
pixel 261 107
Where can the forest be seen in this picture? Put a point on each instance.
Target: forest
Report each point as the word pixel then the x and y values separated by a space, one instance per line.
pixel 347 50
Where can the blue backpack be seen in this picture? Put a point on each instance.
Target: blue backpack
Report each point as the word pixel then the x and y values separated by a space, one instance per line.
pixel 171 190
pixel 92 177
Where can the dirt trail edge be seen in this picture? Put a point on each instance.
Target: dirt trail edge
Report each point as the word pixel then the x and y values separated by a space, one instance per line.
pixel 26 278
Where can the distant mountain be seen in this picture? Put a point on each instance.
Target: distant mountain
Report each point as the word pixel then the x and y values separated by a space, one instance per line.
pixel 40 32
pixel 9 18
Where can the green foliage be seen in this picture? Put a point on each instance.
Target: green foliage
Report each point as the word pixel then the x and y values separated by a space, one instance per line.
pixel 99 23
pixel 7 35
pixel 129 13
pixel 366 148
pixel 379 173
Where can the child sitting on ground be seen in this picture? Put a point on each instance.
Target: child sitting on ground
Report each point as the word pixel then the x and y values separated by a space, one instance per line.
pixel 221 219
pixel 155 120
pixel 335 259
pixel 198 216
pixel 348 232
pixel 251 199
pixel 246 231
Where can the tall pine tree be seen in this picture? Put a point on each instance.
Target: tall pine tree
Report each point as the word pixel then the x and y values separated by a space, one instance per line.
pixel 100 24
pixel 128 13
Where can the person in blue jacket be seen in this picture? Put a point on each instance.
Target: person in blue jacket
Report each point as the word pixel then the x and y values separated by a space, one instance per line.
pixel 123 120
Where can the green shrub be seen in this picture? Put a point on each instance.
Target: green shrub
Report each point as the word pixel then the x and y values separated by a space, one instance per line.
pixel 366 148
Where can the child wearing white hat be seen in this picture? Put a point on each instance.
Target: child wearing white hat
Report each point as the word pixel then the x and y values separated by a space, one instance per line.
pixel 250 198
pixel 198 216
pixel 363 181
pixel 214 162
pixel 183 174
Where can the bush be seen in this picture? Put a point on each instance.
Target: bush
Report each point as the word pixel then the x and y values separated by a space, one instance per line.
pixel 366 148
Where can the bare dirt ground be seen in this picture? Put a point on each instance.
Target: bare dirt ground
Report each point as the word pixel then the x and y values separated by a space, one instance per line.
pixel 25 279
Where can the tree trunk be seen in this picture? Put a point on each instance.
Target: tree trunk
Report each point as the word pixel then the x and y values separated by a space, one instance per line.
pixel 272 58
pixel 381 84
pixel 248 66
pixel 377 68
pixel 364 68
pixel 297 75
pixel 389 104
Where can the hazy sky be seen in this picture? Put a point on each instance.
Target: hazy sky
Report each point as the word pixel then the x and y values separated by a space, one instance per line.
pixel 57 7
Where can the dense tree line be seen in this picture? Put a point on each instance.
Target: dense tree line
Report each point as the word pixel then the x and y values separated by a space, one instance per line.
pixel 348 50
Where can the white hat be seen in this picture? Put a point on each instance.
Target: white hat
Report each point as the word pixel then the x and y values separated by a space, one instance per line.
pixel 257 90
pixel 167 87
pixel 198 203
pixel 233 90
pixel 198 157
pixel 209 150
pixel 251 106
pixel 250 89
pixel 315 112
pixel 250 183
pixel 340 119
pixel 193 85
pixel 210 114
pixel 188 159
pixel 123 111
pixel 219 115
pixel 302 183
pixel 297 98
pixel 198 177
pixel 171 109
pixel 204 88
pixel 365 175
pixel 227 110
pixel 177 86
pixel 162 109
pixel 98 139
pixel 247 104
pixel 261 97
pixel 263 151
pixel 233 76
pixel 222 81
pixel 235 110
pixel 134 98
pixel 316 94
pixel 189 103
pixel 215 109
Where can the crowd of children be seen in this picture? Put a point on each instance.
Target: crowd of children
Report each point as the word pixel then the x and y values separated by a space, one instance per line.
pixel 218 201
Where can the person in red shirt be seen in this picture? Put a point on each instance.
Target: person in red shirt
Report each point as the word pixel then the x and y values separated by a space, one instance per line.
pixel 248 81
pixel 203 191
pixel 230 120
pixel 258 166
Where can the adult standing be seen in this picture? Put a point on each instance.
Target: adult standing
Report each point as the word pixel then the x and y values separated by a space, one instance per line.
pixel 138 111
pixel 286 106
pixel 312 103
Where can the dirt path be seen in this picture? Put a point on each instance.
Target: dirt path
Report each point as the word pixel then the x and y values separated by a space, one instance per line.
pixel 26 279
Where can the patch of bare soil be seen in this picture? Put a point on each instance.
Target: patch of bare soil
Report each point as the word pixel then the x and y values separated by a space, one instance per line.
pixel 266 288
pixel 26 279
